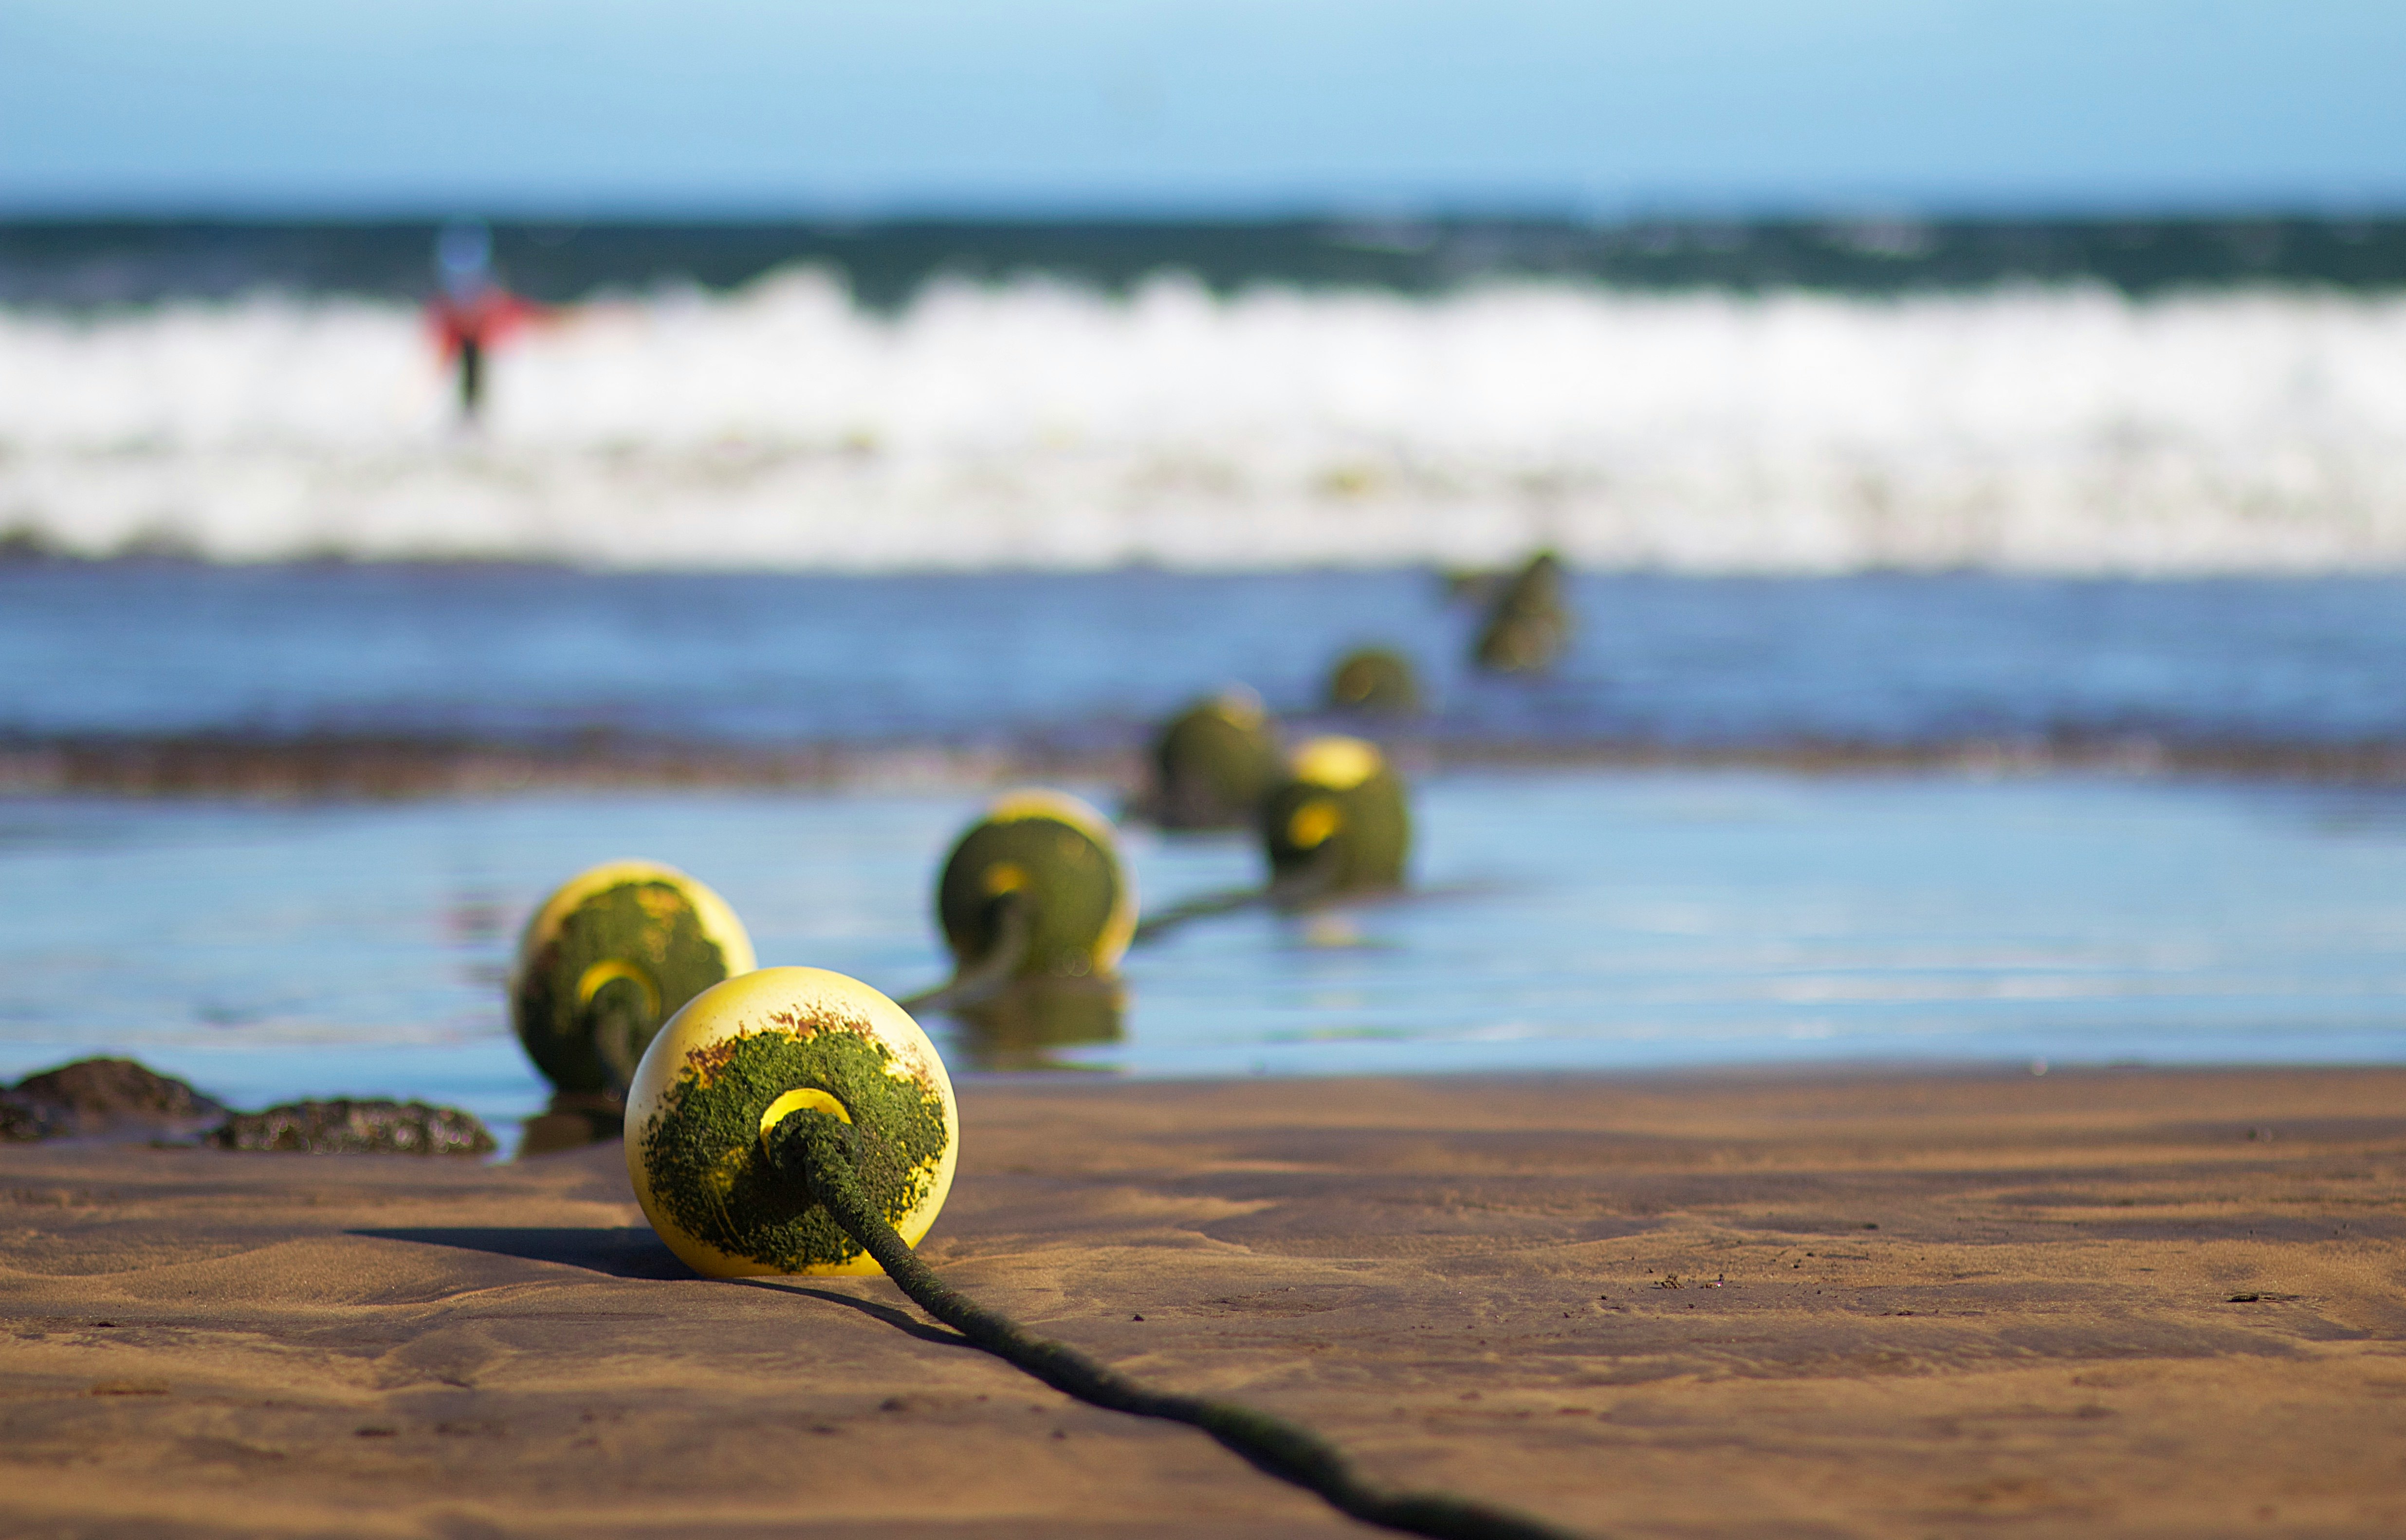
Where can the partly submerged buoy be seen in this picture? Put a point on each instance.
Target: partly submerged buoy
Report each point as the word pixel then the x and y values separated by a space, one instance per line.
pixel 1374 681
pixel 1036 889
pixel 738 1060
pixel 1338 823
pixel 1530 623
pixel 1211 763
pixel 611 955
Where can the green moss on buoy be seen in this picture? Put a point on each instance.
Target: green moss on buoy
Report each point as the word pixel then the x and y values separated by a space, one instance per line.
pixel 744 1055
pixel 1530 623
pixel 1212 762
pixel 610 954
pixel 1375 681
pixel 712 1178
pixel 1338 823
pixel 1055 858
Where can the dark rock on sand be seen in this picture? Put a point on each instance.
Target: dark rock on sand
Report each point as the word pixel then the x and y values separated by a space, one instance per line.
pixel 343 1126
pixel 103 1095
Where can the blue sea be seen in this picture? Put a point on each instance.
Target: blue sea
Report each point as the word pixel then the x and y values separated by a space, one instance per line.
pixel 1991 638
pixel 1568 913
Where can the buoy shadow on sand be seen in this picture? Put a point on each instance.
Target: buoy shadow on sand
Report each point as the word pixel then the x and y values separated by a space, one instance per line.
pixel 617 1250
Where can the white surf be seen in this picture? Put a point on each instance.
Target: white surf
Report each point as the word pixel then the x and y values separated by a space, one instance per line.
pixel 1032 424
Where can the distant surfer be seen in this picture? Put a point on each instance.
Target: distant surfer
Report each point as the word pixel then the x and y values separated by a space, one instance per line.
pixel 470 311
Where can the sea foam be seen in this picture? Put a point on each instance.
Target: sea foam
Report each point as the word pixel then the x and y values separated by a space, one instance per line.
pixel 1036 424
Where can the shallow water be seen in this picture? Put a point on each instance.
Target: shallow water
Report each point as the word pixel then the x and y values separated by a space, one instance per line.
pixel 521 653
pixel 1564 921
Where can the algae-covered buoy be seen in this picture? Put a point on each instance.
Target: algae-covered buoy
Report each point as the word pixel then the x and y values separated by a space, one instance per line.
pixel 1375 681
pixel 1530 623
pixel 1337 823
pixel 1211 763
pixel 1036 889
pixel 739 1059
pixel 610 955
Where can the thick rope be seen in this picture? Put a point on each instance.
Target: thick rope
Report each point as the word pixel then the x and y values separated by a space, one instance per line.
pixel 977 982
pixel 819 1150
pixel 1298 889
pixel 618 1021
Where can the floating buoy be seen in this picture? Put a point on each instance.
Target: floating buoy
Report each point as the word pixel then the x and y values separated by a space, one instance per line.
pixel 1374 681
pixel 796 1121
pixel 610 955
pixel 741 1058
pixel 1338 823
pixel 1212 762
pixel 1530 623
pixel 1035 889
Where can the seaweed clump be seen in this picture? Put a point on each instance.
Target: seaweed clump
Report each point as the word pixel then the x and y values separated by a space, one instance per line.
pixel 345 1126
pixel 711 1177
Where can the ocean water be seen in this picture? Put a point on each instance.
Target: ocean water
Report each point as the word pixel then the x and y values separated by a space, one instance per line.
pixel 1088 661
pixel 1038 423
pixel 1882 487
pixel 1560 922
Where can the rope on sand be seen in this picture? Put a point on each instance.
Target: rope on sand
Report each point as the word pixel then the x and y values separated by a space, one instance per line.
pixel 821 1152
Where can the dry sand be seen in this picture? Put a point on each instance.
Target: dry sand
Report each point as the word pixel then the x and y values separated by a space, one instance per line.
pixel 2098 1303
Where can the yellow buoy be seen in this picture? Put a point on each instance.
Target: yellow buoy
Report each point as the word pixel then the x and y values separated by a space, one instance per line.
pixel 749 1052
pixel 1056 861
pixel 1338 823
pixel 610 955
pixel 1375 682
pixel 1211 763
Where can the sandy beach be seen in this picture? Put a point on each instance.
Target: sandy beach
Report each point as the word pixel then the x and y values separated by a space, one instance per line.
pixel 2100 1302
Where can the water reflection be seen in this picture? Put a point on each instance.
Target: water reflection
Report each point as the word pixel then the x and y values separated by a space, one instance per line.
pixel 573 1119
pixel 1019 1028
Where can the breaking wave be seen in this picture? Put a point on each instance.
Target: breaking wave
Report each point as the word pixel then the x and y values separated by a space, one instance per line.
pixel 1038 425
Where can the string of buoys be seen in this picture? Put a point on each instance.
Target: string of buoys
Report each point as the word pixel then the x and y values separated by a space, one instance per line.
pixel 1335 825
pixel 1033 902
pixel 796 1121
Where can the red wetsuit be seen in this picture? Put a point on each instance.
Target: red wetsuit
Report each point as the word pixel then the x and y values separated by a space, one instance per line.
pixel 465 327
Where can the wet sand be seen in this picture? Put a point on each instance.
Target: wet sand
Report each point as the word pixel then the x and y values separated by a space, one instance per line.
pixel 2105 1302
pixel 401 766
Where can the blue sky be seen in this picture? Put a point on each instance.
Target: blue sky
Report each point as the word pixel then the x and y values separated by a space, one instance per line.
pixel 755 107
